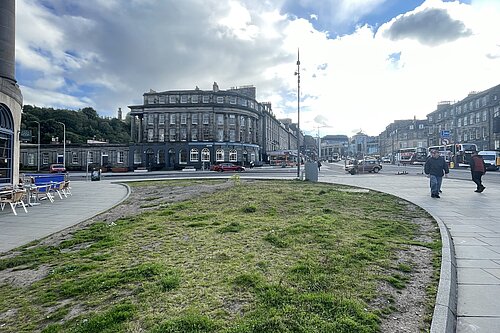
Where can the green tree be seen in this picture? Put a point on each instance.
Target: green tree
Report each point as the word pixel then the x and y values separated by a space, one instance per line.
pixel 81 125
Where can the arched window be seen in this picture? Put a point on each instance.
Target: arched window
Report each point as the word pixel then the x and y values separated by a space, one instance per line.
pixel 233 155
pixel 193 157
pixel 6 144
pixel 219 155
pixel 205 155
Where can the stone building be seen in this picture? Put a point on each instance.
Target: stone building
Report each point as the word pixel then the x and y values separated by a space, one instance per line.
pixel 407 133
pixel 334 145
pixel 474 119
pixel 197 128
pixel 11 99
pixel 106 156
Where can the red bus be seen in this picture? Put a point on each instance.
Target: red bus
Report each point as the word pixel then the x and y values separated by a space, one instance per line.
pixel 416 155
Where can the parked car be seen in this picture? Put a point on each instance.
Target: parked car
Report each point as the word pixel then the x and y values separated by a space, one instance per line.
pixel 386 159
pixel 362 166
pixel 227 167
pixel 57 168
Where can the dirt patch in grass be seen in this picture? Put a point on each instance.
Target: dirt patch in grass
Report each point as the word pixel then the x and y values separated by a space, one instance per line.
pixel 401 298
pixel 20 277
pixel 142 199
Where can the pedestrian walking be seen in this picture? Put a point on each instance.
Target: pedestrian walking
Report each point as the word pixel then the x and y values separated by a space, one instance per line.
pixel 319 165
pixel 477 170
pixel 436 167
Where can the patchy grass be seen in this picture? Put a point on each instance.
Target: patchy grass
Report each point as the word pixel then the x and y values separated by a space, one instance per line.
pixel 265 256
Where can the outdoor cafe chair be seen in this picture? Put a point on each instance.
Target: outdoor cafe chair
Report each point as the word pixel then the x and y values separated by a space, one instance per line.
pixel 42 192
pixel 58 187
pixel 14 198
pixel 67 188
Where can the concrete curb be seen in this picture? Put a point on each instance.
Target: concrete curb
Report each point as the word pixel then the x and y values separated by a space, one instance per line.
pixel 444 318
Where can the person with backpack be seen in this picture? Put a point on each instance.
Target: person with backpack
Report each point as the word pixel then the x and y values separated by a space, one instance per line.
pixel 477 169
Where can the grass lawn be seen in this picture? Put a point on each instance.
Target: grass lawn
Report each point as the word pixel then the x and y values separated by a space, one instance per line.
pixel 260 256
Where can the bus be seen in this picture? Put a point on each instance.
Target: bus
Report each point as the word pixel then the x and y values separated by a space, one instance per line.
pixel 283 158
pixel 460 153
pixel 442 151
pixel 416 155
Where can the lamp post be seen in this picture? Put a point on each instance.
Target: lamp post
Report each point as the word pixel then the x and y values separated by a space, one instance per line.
pixel 38 150
pixel 298 112
pixel 319 142
pixel 64 142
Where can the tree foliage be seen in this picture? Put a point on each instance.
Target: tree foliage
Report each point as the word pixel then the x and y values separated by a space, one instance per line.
pixel 81 125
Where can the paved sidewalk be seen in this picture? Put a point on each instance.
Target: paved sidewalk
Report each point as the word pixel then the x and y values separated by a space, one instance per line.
pixel 88 200
pixel 473 222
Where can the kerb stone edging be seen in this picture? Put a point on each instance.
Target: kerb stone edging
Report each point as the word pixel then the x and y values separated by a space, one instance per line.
pixel 444 318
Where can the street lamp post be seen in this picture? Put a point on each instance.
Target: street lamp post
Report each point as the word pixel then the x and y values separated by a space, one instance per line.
pixel 298 112
pixel 64 142
pixel 38 150
pixel 319 142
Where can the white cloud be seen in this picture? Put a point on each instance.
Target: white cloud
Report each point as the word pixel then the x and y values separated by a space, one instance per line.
pixel 51 99
pixel 107 54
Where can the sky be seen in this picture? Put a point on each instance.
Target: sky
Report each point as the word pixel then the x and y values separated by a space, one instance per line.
pixel 363 63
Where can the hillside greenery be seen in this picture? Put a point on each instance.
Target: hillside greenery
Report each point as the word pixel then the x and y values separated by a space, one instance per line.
pixel 81 125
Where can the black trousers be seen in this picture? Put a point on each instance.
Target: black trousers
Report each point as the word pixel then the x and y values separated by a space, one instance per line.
pixel 476 178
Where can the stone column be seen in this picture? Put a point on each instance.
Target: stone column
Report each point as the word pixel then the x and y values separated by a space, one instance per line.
pixel 10 94
pixel 132 128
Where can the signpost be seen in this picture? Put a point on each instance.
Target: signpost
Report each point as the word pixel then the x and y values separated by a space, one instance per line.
pixel 445 137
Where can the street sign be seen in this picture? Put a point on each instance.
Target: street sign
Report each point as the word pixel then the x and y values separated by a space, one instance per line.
pixel 445 134
pixel 445 141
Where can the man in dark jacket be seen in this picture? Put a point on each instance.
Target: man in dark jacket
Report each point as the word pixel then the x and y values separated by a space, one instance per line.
pixel 436 167
pixel 477 169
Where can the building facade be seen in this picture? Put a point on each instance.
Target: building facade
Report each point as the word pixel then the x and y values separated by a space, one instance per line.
pixel 475 119
pixel 408 133
pixel 334 145
pixel 197 128
pixel 106 156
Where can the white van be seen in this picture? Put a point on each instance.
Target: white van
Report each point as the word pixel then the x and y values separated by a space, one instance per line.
pixel 491 159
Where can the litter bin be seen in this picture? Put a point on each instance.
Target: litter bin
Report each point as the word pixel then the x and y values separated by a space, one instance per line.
pixel 95 175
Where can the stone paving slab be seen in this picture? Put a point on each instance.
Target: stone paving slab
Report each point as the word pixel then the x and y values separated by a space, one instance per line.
pixel 88 200
pixel 478 324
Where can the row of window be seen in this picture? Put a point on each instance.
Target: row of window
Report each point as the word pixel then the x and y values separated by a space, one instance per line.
pixel 172 119
pixel 206 135
pixel 474 134
pixel 470 120
pixel 420 126
pixel 91 158
pixel 471 105
pixel 467 106
pixel 195 99
pixel 195 155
